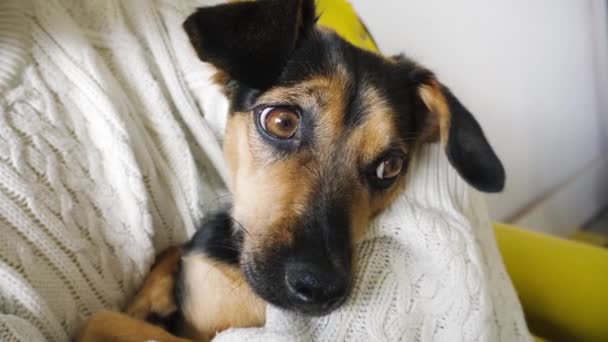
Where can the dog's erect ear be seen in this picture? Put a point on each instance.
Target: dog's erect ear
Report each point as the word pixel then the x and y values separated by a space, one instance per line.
pixel 250 41
pixel 444 117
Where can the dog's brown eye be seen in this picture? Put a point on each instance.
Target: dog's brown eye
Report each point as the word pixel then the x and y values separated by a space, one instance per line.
pixel 280 122
pixel 389 167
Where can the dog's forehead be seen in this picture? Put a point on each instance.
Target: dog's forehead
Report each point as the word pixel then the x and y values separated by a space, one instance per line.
pixel 360 97
pixel 325 54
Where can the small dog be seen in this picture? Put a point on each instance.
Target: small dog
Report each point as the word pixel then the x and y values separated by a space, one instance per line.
pixel 317 142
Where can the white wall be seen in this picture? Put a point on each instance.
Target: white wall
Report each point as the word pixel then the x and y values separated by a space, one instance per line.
pixel 526 70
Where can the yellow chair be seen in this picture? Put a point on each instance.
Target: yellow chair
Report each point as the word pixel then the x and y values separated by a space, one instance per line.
pixel 342 18
pixel 562 284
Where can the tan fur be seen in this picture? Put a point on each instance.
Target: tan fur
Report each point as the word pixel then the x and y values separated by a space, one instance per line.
pixel 377 132
pixel 220 78
pixel 284 188
pixel 217 297
pixel 435 101
pixel 281 190
pixel 155 294
pixel 107 326
pixel 366 142
pixel 324 95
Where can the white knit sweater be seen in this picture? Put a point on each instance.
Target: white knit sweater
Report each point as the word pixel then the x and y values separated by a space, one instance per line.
pixel 106 158
pixel 428 270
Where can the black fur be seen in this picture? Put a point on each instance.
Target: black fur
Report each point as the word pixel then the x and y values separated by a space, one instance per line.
pixel 171 323
pixel 469 151
pixel 355 107
pixel 179 293
pixel 273 43
pixel 217 239
pixel 324 52
pixel 251 41
pixel 322 241
pixel 242 97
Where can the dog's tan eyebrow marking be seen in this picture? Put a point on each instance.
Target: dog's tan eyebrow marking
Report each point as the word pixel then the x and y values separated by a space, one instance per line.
pixel 376 132
pixel 321 96
pixel 365 100
pixel 312 92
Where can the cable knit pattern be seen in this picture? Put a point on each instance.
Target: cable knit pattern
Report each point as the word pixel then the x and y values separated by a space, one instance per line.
pixel 106 158
pixel 103 153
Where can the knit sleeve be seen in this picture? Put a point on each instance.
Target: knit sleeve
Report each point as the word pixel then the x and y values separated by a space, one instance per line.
pixel 61 242
pixel 13 328
pixel 16 322
pixel 97 168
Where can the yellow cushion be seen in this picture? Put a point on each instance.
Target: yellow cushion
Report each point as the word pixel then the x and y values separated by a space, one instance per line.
pixel 342 18
pixel 562 284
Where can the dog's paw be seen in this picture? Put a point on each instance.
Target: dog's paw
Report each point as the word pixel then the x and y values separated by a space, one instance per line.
pixel 115 326
pixel 156 295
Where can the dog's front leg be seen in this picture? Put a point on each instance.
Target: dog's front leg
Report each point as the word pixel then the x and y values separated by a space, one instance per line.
pixel 215 297
pixel 212 293
pixel 156 295
pixel 118 327
pixel 155 299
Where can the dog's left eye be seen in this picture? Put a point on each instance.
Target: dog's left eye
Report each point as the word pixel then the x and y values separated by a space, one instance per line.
pixel 389 167
pixel 280 122
pixel 383 173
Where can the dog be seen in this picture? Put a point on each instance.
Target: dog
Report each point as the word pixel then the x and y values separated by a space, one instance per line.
pixel 317 143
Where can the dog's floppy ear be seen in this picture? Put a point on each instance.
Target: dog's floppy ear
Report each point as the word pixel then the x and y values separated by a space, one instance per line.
pixel 466 146
pixel 250 41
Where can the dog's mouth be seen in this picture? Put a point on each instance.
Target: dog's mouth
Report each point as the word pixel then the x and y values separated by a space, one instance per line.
pixel 307 275
pixel 303 287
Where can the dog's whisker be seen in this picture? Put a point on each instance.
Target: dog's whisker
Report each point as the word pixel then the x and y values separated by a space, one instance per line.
pixel 240 225
pixel 226 247
pixel 238 284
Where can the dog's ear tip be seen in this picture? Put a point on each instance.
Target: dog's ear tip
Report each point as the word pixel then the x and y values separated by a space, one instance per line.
pixel 491 180
pixel 476 162
pixel 495 182
pixel 489 184
pixel 190 28
pixel 189 23
pixel 500 179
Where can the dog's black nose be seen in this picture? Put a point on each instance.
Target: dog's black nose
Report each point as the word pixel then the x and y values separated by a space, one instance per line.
pixel 315 290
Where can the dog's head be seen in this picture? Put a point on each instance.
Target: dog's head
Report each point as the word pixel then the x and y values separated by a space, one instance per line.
pixel 318 141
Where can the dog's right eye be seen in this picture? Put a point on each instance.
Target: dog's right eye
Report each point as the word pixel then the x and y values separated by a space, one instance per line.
pixel 280 122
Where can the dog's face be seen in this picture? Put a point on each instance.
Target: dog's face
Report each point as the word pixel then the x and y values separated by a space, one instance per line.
pixel 318 141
